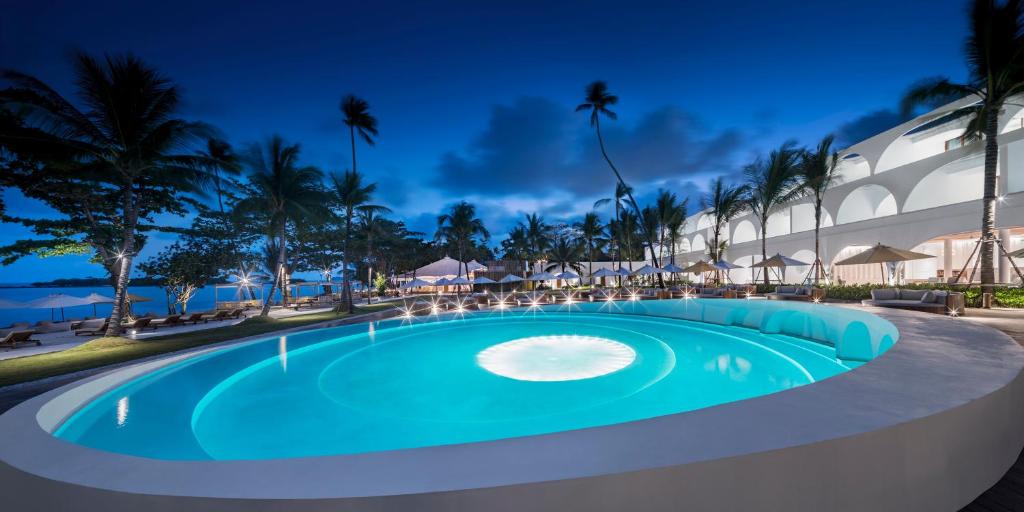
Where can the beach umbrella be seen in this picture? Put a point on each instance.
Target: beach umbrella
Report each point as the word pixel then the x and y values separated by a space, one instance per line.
pixel 700 268
pixel 567 275
pixel 883 254
pixel 458 282
pixel 415 283
pixel 510 278
pixel 541 276
pixel 484 280
pixel 605 272
pixel 623 272
pixel 779 261
pixel 647 270
pixel 672 268
pixel 95 298
pixel 443 281
pixel 138 298
pixel 57 301
pixel 726 266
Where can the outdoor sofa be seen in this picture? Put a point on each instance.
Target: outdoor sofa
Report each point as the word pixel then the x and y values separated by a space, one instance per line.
pixel 801 293
pixel 931 301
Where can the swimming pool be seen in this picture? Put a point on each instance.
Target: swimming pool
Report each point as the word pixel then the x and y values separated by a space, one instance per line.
pixel 409 383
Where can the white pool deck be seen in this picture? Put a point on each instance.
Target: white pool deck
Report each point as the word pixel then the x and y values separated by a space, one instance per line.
pixel 929 425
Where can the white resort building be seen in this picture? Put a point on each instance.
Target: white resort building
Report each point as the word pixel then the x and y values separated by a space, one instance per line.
pixel 917 186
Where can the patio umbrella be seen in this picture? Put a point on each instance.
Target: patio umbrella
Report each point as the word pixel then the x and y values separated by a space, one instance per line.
pixel 779 261
pixel 458 282
pixel 673 268
pixel 726 266
pixel 57 301
pixel 484 280
pixel 567 275
pixel 700 268
pixel 415 283
pixel 647 270
pixel 95 298
pixel 510 278
pixel 442 282
pixel 541 276
pixel 605 272
pixel 883 254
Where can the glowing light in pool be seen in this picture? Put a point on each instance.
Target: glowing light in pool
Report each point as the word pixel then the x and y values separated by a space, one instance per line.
pixel 556 358
pixel 122 411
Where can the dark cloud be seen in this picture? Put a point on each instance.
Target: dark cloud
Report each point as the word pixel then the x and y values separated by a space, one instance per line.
pixel 868 125
pixel 536 144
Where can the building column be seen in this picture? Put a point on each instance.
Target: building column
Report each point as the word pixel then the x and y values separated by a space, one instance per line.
pixel 1004 263
pixel 947 259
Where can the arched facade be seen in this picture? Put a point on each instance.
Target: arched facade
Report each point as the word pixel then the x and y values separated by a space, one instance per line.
pixel 952 183
pixel 698 244
pixel 744 232
pixel 866 202
pixel 803 217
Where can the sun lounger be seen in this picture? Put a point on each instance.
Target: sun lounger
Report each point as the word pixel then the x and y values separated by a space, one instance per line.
pixel 170 321
pixel 236 313
pixel 92 330
pixel 193 318
pixel 141 324
pixel 216 317
pixel 13 338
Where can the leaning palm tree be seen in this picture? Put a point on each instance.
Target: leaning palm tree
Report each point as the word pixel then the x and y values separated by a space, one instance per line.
pixel 772 182
pixel 596 101
pixel 284 192
pixel 592 234
pixel 995 63
pixel 359 120
pixel 724 202
pixel 352 196
pixel 123 134
pixel 461 227
pixel 819 170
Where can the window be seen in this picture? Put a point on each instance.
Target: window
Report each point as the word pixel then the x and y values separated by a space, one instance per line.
pixel 958 142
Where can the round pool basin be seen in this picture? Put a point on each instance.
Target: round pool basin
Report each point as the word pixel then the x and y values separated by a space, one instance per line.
pixel 442 380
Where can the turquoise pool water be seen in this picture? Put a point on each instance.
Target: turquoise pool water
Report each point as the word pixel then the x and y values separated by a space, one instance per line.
pixel 409 383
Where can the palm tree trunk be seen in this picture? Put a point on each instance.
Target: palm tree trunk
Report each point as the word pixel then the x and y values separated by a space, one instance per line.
pixel 126 256
pixel 988 218
pixel 352 135
pixel 280 278
pixel 764 248
pixel 817 242
pixel 636 207
pixel 346 286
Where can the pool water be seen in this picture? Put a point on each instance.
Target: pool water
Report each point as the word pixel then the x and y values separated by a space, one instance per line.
pixel 423 382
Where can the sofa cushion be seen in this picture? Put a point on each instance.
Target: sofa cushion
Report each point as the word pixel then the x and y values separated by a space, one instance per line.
pixel 913 294
pixel 785 289
pixel 884 294
pixel 940 296
pixel 928 296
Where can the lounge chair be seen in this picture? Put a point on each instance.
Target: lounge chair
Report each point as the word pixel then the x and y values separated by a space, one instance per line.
pixel 930 301
pixel 13 338
pixel 169 321
pixel 141 324
pixel 92 330
pixel 193 318
pixel 236 313
pixel 216 317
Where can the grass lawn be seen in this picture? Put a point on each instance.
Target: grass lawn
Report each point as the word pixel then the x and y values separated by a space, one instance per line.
pixel 105 351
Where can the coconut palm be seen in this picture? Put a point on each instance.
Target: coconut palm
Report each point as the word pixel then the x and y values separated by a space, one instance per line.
pixel 516 246
pixel 592 234
pixel 995 63
pixel 461 228
pixel 359 120
pixel 565 254
pixel 818 172
pixel 772 182
pixel 725 202
pixel 538 236
pixel 621 191
pixel 284 192
pixel 596 101
pixel 369 223
pixel 222 161
pixel 352 196
pixel 124 137
pixel 624 230
pixel 670 213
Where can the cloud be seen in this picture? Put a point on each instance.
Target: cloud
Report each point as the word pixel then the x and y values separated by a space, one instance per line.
pixel 868 125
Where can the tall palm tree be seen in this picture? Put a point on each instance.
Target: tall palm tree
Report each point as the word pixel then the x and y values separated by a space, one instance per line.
pixel 670 212
pixel 369 222
pixel 995 64
pixel 621 191
pixel 592 233
pixel 461 227
pixel 516 246
pixel 285 192
pixel 674 228
pixel 352 196
pixel 772 182
pixel 725 202
pixel 125 136
pixel 565 254
pixel 818 172
pixel 625 229
pixel 359 120
pixel 222 160
pixel 597 100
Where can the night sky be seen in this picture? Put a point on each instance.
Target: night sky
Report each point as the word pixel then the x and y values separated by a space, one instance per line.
pixel 475 99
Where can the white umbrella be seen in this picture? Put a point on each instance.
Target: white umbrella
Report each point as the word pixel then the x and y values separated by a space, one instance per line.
pixel 672 268
pixel 647 270
pixel 484 280
pixel 95 298
pixel 605 272
pixel 57 300
pixel 511 278
pixel 541 276
pixel 567 275
pixel 459 280
pixel 443 281
pixel 623 272
pixel 415 283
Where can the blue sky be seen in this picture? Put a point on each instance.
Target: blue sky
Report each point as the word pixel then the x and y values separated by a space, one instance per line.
pixel 475 99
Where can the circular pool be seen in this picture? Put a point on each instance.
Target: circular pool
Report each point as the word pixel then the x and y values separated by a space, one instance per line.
pixel 438 381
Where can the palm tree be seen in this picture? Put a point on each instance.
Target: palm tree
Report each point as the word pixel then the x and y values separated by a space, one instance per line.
pixel 621 191
pixel 285 192
pixel 126 138
pixel 995 63
pixel 538 235
pixel 352 196
pixel 461 227
pixel 516 246
pixel 818 172
pixel 358 119
pixel 592 233
pixel 625 230
pixel 724 202
pixel 772 182
pixel 670 212
pixel 675 230
pixel 370 224
pixel 596 101
pixel 565 253
pixel 222 160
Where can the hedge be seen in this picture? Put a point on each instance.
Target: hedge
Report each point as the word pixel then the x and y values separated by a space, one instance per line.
pixel 1004 297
